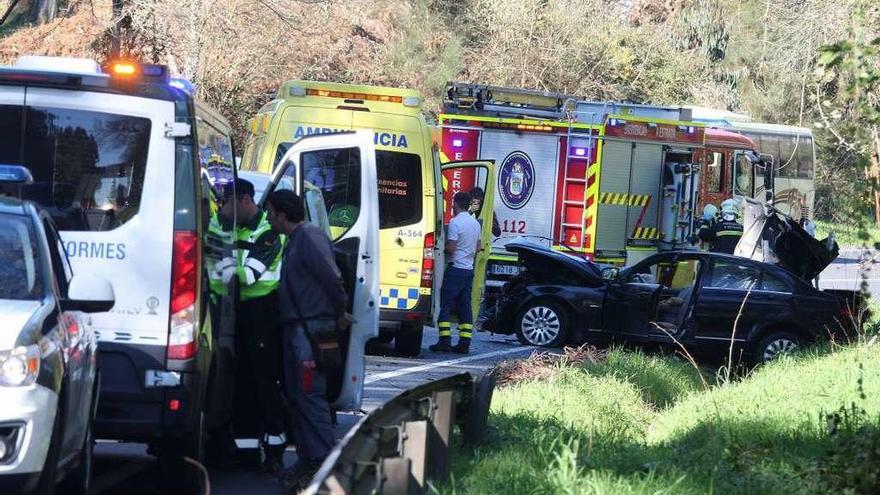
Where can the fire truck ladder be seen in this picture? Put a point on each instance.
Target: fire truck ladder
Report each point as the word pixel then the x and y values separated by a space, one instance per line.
pixel 466 97
pixel 574 186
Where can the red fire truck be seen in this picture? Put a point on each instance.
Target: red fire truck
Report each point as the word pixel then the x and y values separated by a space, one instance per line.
pixel 613 182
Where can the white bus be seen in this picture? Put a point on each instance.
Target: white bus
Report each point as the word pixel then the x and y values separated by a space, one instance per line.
pixel 794 159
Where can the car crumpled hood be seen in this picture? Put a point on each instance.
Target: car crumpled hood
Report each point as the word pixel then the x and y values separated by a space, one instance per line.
pixel 772 237
pixel 13 317
pixel 537 259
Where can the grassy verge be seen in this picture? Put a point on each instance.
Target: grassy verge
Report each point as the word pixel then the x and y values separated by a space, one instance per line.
pixel 635 423
pixel 848 235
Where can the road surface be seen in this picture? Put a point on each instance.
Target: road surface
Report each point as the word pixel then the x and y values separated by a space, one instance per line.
pixel 852 269
pixel 126 469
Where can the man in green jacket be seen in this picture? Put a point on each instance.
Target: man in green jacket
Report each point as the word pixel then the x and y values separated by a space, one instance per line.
pixel 255 265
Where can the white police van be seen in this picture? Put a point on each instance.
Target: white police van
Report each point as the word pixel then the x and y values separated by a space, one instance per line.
pixel 130 164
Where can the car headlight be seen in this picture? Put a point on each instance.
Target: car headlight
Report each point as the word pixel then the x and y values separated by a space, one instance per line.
pixel 20 366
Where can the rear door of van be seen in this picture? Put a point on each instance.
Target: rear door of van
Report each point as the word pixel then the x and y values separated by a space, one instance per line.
pixel 103 168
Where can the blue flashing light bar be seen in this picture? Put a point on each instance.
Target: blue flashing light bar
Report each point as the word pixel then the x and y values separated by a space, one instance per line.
pixel 15 174
pixel 183 85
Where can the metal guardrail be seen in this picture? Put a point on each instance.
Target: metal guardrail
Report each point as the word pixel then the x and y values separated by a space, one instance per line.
pixel 399 447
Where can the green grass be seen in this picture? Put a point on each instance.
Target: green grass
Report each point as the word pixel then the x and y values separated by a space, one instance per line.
pixel 848 235
pixel 647 424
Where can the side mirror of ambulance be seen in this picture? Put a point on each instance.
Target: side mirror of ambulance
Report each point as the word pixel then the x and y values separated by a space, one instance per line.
pixel 89 294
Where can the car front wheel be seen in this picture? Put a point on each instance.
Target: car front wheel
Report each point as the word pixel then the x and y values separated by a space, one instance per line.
pixel 542 323
pixel 776 344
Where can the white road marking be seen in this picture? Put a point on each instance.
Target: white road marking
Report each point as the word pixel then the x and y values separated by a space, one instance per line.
pixel 442 364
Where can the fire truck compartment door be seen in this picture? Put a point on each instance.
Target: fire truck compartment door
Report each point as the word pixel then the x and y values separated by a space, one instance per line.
pixel 629 188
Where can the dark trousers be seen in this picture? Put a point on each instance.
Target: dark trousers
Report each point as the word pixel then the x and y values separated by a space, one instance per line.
pixel 455 298
pixel 306 389
pixel 258 367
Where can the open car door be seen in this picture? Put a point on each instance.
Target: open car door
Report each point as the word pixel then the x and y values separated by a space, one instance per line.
pixel 336 176
pixel 464 177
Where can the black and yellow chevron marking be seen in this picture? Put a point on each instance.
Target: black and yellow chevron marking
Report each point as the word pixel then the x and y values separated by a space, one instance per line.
pixel 645 233
pixel 607 198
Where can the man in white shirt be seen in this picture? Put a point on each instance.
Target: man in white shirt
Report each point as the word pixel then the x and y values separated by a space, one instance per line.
pixel 462 244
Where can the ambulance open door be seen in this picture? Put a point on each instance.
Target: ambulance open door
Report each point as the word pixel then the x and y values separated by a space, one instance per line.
pixel 341 169
pixel 465 177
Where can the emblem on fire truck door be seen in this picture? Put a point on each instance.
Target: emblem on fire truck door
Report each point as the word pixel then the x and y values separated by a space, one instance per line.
pixel 516 180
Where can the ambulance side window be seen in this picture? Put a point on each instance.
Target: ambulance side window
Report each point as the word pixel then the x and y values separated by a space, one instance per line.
pixel 400 188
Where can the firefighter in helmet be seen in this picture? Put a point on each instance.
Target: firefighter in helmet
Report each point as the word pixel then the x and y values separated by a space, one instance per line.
pixel 723 235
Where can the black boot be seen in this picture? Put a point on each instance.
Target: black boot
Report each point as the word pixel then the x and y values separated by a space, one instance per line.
pixel 442 346
pixel 274 461
pixel 463 346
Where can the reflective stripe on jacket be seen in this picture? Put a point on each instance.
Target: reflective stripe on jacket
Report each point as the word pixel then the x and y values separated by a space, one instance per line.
pixel 255 259
pixel 724 235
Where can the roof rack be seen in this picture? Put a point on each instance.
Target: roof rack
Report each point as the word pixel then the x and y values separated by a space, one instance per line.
pixel 462 97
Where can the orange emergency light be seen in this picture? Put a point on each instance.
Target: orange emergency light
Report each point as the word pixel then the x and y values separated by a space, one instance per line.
pixel 123 69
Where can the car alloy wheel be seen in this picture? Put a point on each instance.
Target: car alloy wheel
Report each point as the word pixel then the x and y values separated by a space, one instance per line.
pixel 777 347
pixel 540 325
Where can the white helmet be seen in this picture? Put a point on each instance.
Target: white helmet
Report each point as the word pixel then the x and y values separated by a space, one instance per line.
pixel 709 211
pixel 729 207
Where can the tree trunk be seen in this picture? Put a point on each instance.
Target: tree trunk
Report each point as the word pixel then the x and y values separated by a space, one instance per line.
pixel 43 11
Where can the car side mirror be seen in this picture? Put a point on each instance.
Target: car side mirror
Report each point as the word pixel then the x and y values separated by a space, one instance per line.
pixel 610 273
pixel 89 294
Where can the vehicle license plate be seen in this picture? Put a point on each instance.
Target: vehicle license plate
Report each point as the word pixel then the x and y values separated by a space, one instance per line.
pixel 505 270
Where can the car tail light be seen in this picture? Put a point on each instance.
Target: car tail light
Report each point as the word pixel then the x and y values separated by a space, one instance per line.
pixel 182 327
pixel 428 262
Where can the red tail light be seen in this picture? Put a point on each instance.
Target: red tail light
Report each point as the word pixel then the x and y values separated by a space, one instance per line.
pixel 182 328
pixel 428 262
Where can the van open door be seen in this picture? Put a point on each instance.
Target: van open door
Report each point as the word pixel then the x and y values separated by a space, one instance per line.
pixel 464 177
pixel 336 176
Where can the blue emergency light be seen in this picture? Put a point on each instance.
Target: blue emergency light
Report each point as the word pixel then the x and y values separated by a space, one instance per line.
pixel 15 174
pixel 183 85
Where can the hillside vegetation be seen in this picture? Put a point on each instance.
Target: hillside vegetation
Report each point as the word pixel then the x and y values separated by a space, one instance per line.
pixel 754 56
pixel 639 424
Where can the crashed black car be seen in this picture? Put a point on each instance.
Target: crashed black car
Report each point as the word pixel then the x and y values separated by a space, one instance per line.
pixel 700 300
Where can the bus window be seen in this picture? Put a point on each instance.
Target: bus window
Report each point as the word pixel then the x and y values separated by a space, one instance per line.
pixel 743 177
pixel 714 172
pixel 787 160
pixel 769 144
pixel 805 158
